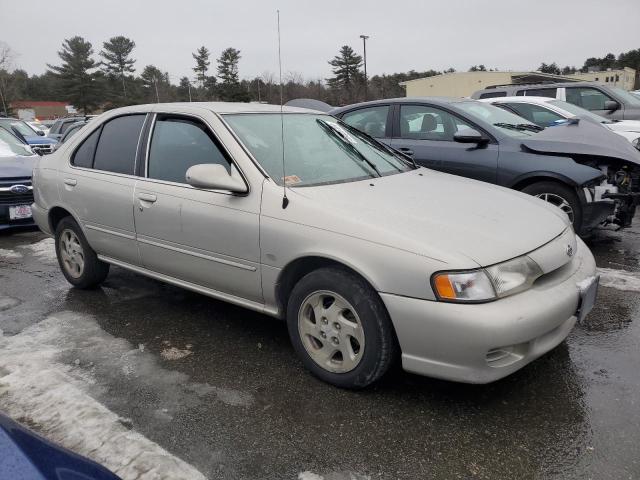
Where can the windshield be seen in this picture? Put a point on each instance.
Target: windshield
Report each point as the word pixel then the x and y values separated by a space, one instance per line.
pixel 575 110
pixel 627 97
pixel 318 149
pixel 10 146
pixel 24 129
pixel 507 122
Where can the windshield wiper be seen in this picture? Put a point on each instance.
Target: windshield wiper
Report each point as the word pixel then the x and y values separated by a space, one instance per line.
pixel 384 146
pixel 523 127
pixel 340 136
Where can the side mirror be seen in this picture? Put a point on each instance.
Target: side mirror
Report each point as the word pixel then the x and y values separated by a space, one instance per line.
pixel 213 176
pixel 40 132
pixel 611 105
pixel 469 135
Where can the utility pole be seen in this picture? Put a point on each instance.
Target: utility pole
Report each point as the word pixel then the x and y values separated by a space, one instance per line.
pixel 189 86
pixel 366 81
pixel 155 84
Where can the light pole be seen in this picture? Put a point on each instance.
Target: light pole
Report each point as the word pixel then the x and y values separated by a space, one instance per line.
pixel 364 44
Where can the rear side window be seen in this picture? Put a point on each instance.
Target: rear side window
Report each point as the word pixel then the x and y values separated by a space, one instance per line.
pixel 177 144
pixel 84 155
pixel 370 120
pixel 493 94
pixel 541 92
pixel 118 143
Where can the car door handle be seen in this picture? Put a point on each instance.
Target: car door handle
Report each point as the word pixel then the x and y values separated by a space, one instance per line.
pixel 70 182
pixel 147 197
pixel 406 151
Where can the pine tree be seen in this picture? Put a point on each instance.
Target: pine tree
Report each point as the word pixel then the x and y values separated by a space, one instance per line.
pixel 346 71
pixel 77 77
pixel 116 59
pixel 202 64
pixel 229 88
pixel 155 82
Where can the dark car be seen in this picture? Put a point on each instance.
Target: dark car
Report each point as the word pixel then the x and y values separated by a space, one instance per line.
pixel 70 132
pixel 25 455
pixel 16 195
pixel 588 171
pixel 35 139
pixel 605 100
pixel 60 126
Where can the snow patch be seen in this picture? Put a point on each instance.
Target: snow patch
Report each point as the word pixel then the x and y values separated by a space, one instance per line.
pixel 6 254
pixel 8 302
pixel 586 283
pixel 44 249
pixel 619 279
pixel 48 370
pixel 309 476
pixel 174 353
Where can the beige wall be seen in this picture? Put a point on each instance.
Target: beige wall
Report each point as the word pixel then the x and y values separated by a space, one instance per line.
pixel 623 78
pixel 458 84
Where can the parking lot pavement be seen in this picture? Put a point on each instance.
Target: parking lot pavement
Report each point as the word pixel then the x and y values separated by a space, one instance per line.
pixel 158 382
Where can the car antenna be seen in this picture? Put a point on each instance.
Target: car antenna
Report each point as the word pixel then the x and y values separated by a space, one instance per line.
pixel 285 200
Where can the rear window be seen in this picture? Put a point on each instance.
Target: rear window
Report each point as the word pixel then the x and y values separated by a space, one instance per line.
pixel 118 144
pixel 493 94
pixel 541 92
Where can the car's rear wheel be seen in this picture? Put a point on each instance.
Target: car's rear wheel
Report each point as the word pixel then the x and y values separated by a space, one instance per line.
pixel 78 261
pixel 560 196
pixel 340 328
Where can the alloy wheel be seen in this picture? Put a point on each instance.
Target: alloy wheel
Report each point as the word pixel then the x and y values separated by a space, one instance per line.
pixel 558 201
pixel 71 253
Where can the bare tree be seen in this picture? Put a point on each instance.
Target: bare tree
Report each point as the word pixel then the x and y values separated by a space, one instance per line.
pixel 7 56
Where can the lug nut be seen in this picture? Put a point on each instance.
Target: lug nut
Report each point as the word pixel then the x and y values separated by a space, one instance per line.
pixel 323 335
pixel 336 326
pixel 324 320
pixel 335 340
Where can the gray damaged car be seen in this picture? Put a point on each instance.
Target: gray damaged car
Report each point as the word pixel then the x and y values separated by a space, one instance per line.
pixel 591 173
pixel 368 258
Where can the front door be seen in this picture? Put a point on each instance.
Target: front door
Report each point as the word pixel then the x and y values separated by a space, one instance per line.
pixel 208 238
pixel 426 133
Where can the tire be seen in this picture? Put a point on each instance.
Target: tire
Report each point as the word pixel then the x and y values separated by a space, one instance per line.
pixel 553 193
pixel 78 261
pixel 365 341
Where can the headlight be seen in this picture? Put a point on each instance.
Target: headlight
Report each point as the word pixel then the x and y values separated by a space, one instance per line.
pixel 487 284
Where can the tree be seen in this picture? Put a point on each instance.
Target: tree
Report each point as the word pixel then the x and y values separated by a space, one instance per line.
pixel 478 68
pixel 346 71
pixel 567 70
pixel 551 68
pixel 116 58
pixel 77 77
pixel 230 88
pixel 155 83
pixel 202 64
pixel 608 61
pixel 184 90
pixel 6 63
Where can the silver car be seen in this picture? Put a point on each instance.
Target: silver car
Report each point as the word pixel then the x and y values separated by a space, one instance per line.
pixel 299 216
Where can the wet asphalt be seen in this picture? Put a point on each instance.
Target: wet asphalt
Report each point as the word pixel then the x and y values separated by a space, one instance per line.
pixel 225 392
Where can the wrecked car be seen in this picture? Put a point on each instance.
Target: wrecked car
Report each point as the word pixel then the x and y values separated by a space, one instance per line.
pixel 588 171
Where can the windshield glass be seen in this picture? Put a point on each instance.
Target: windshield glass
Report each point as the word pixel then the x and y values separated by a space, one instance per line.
pixel 627 97
pixel 575 110
pixel 10 146
pixel 318 149
pixel 24 129
pixel 507 122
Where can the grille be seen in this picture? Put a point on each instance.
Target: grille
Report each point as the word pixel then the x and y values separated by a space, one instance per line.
pixel 45 148
pixel 7 197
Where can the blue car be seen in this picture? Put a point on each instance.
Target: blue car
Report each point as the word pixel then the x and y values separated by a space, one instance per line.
pixel 25 455
pixel 35 139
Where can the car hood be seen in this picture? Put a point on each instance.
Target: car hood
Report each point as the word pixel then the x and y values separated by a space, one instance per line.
pixel 17 166
pixel 38 140
pixel 582 137
pixel 625 126
pixel 445 217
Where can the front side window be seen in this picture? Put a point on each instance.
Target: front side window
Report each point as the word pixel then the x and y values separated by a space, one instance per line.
pixel 318 149
pixel 586 97
pixel 422 122
pixel 178 143
pixel 536 114
pixel 370 120
pixel 116 151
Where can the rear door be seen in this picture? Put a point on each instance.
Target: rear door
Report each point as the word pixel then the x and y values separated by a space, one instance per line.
pixel 205 237
pixel 426 132
pixel 98 186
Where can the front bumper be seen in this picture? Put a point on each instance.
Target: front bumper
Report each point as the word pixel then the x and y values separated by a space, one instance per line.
pixel 481 343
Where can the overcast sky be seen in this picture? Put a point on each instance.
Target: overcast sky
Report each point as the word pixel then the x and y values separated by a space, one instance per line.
pixel 405 35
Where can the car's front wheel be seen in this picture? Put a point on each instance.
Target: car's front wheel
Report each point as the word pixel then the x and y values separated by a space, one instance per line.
pixel 562 197
pixel 78 261
pixel 340 328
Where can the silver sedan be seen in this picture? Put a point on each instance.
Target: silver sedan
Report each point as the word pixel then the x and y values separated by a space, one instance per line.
pixel 300 216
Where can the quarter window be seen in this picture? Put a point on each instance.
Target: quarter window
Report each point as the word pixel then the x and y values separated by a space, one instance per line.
pixel 371 120
pixel 422 122
pixel 587 97
pixel 118 143
pixel 177 144
pixel 84 154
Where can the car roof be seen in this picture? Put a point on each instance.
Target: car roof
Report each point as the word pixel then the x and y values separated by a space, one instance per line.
pixel 216 107
pixel 431 100
pixel 529 86
pixel 519 99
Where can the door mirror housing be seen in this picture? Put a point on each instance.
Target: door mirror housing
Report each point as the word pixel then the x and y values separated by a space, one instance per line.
pixel 469 135
pixel 611 105
pixel 213 176
pixel 40 132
